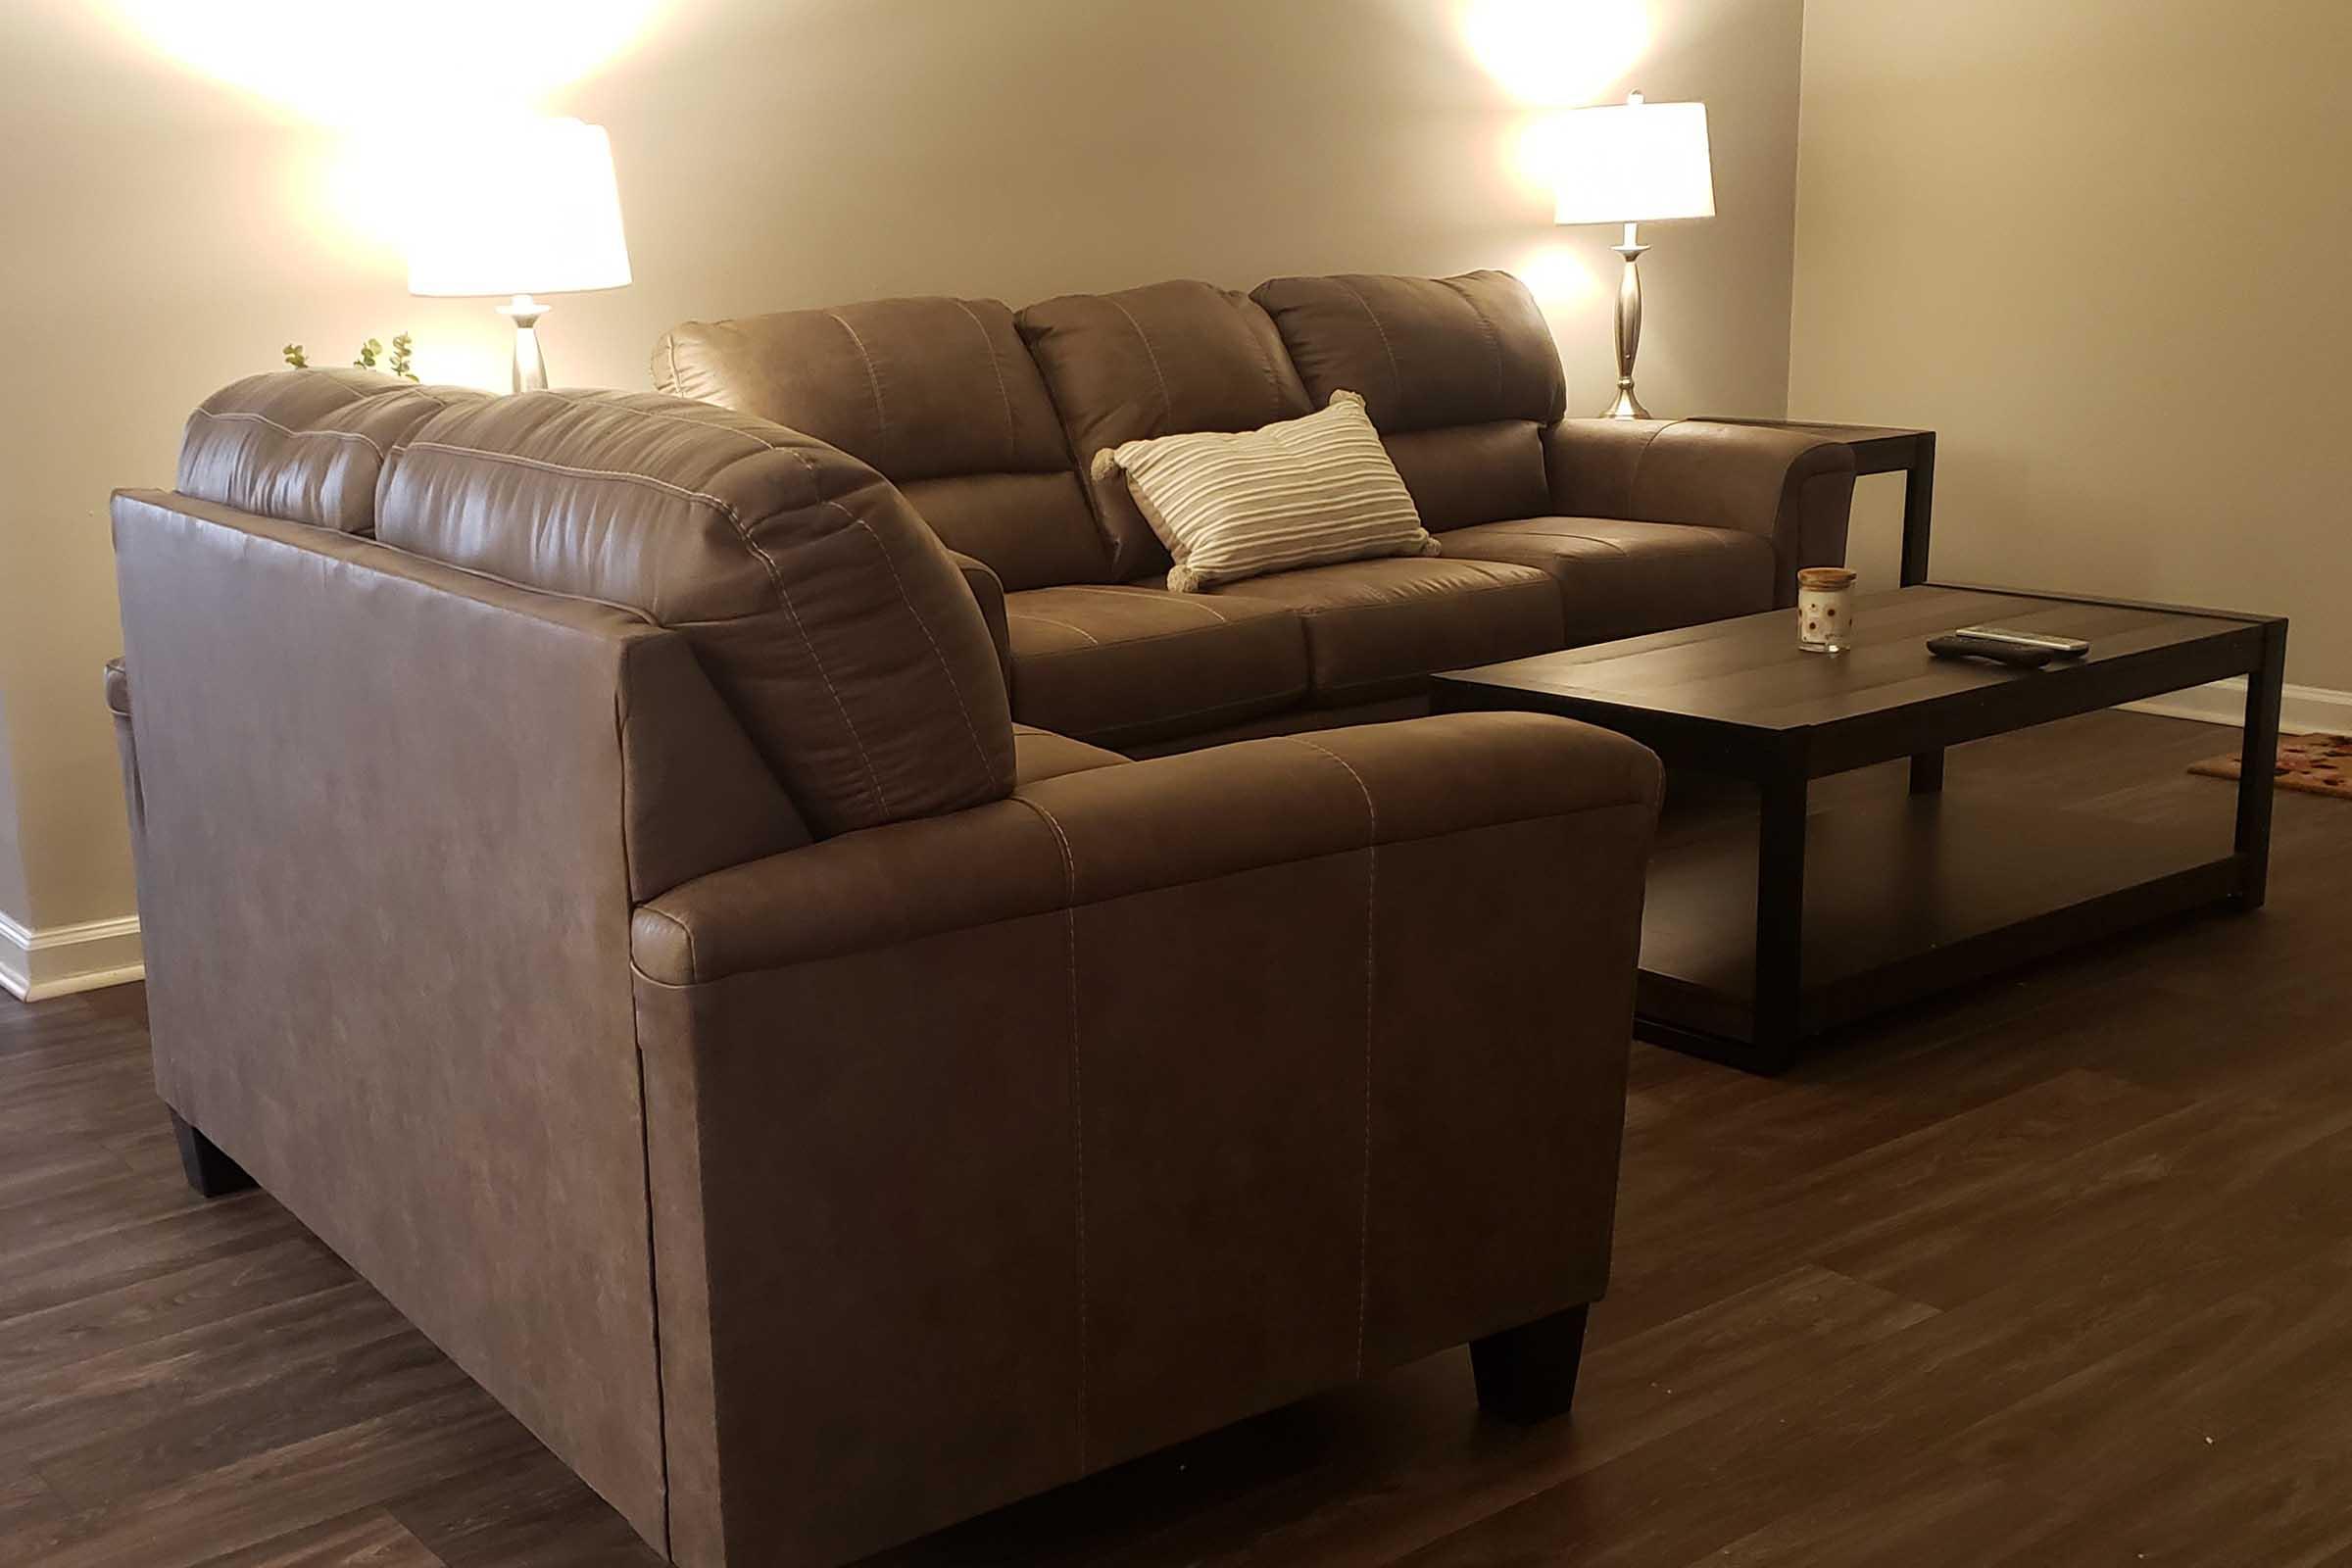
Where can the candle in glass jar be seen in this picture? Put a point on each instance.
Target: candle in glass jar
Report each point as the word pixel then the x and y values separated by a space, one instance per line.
pixel 1824 609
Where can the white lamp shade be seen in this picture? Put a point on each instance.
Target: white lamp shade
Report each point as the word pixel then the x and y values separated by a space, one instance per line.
pixel 529 209
pixel 1634 163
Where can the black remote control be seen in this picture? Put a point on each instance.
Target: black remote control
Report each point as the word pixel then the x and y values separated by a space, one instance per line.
pixel 2024 650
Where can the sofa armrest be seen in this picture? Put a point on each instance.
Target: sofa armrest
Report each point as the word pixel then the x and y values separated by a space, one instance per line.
pixel 1065 1127
pixel 1107 833
pixel 1792 488
pixel 989 590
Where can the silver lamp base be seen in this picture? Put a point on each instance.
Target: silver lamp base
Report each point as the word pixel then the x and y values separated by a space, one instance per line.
pixel 1628 331
pixel 1627 406
pixel 530 366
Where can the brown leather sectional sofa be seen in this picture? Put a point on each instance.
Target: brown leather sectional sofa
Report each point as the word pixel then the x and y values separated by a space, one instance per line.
pixel 592 874
pixel 1556 533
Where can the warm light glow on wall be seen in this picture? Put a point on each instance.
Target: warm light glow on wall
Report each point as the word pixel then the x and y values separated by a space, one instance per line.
pixel 1550 57
pixel 1556 53
pixel 1559 276
pixel 347 64
pixel 1566 285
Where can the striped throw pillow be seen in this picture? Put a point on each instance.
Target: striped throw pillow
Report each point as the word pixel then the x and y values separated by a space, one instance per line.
pixel 1298 493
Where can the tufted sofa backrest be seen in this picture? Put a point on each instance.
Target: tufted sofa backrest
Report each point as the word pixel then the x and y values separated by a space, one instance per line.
pixel 1460 376
pixel 830 623
pixel 824 611
pixel 305 445
pixel 937 395
pixel 1162 359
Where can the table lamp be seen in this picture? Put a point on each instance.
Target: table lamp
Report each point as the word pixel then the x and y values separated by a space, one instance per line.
pixel 1632 163
pixel 532 210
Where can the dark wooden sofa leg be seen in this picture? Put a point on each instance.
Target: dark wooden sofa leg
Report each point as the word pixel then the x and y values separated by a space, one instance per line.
pixel 210 1171
pixel 1529 1372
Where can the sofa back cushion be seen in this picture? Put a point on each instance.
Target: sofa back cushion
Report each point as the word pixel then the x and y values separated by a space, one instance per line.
pixel 1167 359
pixel 1460 376
pixel 305 445
pixel 936 394
pixel 825 613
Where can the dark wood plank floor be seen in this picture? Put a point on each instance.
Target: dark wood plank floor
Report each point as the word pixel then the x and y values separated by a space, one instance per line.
pixel 2056 1272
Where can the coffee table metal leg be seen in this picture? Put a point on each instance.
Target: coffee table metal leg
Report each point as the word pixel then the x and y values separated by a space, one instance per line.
pixel 2257 762
pixel 1779 917
pixel 1927 772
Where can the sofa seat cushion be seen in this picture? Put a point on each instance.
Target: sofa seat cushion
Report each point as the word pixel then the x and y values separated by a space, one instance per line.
pixel 1118 665
pixel 1040 754
pixel 1379 628
pixel 1621 579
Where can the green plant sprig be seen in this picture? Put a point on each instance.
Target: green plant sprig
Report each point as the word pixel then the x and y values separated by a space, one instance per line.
pixel 400 361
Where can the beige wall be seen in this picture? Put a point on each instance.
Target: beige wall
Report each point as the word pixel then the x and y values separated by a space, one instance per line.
pixel 2101 247
pixel 168 232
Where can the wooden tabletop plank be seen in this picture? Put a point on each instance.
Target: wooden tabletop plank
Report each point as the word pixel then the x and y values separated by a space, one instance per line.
pixel 1749 673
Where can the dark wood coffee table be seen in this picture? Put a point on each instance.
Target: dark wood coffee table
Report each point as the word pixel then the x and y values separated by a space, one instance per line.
pixel 1759 935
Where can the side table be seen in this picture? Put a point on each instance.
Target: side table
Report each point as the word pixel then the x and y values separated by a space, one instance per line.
pixel 1882 448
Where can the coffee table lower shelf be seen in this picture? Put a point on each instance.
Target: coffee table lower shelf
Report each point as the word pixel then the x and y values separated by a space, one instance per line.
pixel 1904 896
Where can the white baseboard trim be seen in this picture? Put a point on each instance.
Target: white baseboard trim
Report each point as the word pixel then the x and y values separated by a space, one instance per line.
pixel 2302 709
pixel 35 965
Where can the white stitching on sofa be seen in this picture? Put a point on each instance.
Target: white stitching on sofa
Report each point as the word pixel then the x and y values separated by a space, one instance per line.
pixel 631 611
pixel 1167 404
pixel 775 576
pixel 1493 585
pixel 873 378
pixel 734 520
pixel 646 480
pixel 1011 428
pixel 1190 601
pixel 1395 376
pixel 1069 920
pixel 1049 620
pixel 312 374
pixel 1363 1276
pixel 263 419
pixel 1493 338
pixel 1209 630
pixel 675 418
pixel 692 965
pixel 955 688
pixel 1633 480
